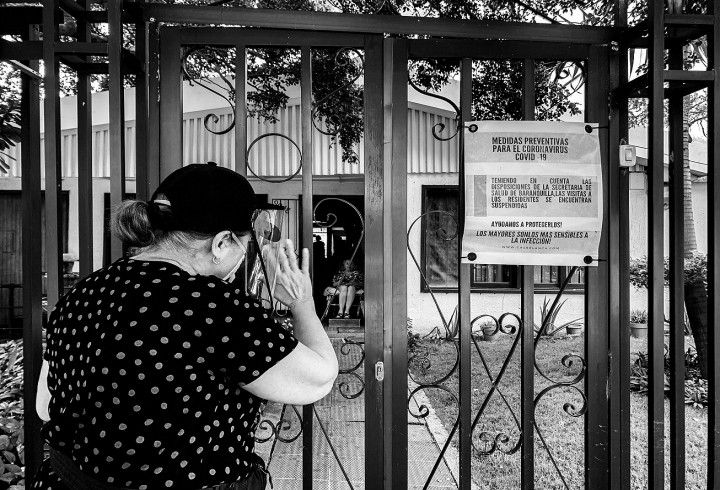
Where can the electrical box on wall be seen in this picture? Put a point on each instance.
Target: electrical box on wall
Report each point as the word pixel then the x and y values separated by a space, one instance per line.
pixel 628 155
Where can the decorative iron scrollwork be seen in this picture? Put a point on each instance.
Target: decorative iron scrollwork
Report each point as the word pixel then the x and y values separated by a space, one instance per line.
pixel 282 430
pixel 273 180
pixel 442 234
pixel 209 56
pixel 500 441
pixel 571 74
pixel 336 120
pixel 440 127
pixel 350 389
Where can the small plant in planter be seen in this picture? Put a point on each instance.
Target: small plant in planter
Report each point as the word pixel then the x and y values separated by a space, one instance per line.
pixel 638 323
pixel 490 331
pixel 548 317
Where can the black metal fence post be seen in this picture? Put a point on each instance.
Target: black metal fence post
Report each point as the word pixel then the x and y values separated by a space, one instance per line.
pixel 374 132
pixel 597 468
pixel 464 304
pixel 527 313
pixel 31 262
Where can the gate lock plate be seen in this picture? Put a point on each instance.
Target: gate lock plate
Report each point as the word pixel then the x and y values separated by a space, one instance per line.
pixel 379 371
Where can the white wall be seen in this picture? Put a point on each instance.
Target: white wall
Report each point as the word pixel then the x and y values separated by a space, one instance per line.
pixel 422 309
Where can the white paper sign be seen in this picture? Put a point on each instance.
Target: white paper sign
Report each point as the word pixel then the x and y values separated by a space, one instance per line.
pixel 533 193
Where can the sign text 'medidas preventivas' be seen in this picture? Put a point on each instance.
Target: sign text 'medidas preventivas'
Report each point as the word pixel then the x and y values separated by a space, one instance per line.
pixel 533 193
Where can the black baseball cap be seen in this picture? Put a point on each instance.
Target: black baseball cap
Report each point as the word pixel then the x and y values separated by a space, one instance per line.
pixel 206 198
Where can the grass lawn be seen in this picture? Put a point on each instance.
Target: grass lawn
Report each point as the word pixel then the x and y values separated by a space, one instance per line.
pixel 563 433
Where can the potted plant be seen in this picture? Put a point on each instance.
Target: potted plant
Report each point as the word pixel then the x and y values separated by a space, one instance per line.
pixel 490 331
pixel 573 329
pixel 638 324
pixel 548 317
pixel 68 263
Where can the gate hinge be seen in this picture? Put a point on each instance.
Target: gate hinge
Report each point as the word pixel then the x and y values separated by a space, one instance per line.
pixel 379 371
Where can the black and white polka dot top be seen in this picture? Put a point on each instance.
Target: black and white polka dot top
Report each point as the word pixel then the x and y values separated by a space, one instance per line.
pixel 146 368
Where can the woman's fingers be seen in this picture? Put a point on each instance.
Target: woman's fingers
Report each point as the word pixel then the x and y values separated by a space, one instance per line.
pixel 305 265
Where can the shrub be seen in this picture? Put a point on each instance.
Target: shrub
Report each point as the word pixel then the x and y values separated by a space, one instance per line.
pixel 412 337
pixel 548 317
pixel 638 316
pixel 12 457
pixel 695 270
pixel 696 388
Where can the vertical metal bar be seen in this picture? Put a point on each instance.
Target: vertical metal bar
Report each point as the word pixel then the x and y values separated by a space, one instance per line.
pixel 597 467
pixel 394 205
pixel 387 300
pixel 241 116
pixel 84 156
pixel 31 261
pixel 677 283
pixel 142 190
pixel 527 310
pixel 465 388
pixel 171 108
pixel 398 214
pixel 307 189
pixel 713 272
pixel 53 169
pixel 619 272
pixel 153 140
pixel 116 115
pixel 656 420
pixel 374 259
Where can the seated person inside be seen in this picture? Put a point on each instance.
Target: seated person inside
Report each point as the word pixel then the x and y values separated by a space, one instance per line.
pixel 347 282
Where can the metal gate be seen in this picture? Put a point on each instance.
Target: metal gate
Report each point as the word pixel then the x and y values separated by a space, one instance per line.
pixel 379 451
pixel 317 444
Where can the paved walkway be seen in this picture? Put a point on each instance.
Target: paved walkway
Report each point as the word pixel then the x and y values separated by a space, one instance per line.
pixel 339 440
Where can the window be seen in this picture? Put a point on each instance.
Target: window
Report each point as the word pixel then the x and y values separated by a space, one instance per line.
pixel 439 259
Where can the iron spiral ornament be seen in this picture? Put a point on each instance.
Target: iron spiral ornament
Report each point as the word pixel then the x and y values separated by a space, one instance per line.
pixel 209 84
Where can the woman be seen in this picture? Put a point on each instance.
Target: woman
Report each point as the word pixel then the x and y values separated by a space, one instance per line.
pixel 348 280
pixel 157 367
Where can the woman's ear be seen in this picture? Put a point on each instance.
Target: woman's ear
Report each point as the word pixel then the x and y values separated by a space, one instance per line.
pixel 220 245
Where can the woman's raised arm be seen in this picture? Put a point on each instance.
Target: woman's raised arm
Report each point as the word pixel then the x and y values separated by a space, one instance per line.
pixel 309 371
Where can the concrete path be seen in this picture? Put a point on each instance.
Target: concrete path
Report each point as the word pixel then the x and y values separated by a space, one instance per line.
pixel 339 439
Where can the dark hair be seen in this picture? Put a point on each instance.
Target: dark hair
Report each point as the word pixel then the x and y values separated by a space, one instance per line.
pixel 138 224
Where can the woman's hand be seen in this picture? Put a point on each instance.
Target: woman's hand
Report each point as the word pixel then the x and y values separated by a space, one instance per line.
pixel 292 281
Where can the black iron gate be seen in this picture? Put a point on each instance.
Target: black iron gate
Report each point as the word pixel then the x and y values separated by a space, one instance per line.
pixel 598 376
pixel 386 402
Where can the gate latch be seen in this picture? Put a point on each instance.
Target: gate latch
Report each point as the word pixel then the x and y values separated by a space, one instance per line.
pixel 379 371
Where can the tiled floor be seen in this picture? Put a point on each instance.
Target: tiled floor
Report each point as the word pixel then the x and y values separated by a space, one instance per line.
pixel 339 439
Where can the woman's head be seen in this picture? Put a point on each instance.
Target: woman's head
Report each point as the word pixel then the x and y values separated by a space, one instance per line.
pixel 348 265
pixel 199 210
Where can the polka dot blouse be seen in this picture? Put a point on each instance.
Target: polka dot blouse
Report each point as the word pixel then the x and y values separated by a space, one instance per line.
pixel 146 368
